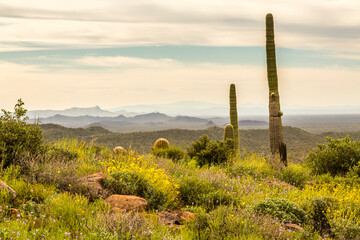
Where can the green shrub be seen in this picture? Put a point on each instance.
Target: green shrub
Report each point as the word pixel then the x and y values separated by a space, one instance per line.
pixel 338 157
pixel 72 211
pixel 296 175
pixel 250 164
pixel 173 153
pixel 17 136
pixel 345 230
pixel 25 191
pixel 317 209
pixel 281 209
pixel 208 152
pixel 132 183
pixel 199 192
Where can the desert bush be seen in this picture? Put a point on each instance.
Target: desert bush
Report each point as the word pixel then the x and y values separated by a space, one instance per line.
pixel 62 163
pixel 199 192
pixel 127 226
pixel 172 152
pixel 132 183
pixel 207 152
pixel 338 157
pixel 296 175
pixel 281 209
pixel 318 209
pixel 72 211
pixel 345 230
pixel 17 136
pixel 250 164
pixel 228 222
pixel 25 191
pixel 145 168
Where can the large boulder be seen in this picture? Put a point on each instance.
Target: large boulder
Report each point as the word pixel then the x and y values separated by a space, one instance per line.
pixel 3 185
pixel 125 203
pixel 90 186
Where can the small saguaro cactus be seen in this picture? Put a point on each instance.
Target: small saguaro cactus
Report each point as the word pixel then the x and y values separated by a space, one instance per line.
pixel 275 126
pixel 228 132
pixel 162 143
pixel 234 116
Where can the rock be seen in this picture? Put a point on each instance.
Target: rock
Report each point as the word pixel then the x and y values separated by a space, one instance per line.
pixel 293 226
pixel 169 218
pixel 3 185
pixel 91 186
pixel 281 184
pixel 175 217
pixel 187 217
pixel 125 203
pixel 14 212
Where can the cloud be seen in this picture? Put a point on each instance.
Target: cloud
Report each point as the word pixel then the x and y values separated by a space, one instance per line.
pixel 171 82
pixel 299 23
pixel 126 62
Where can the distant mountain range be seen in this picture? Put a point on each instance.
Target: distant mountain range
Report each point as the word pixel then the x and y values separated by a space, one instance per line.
pixel 143 122
pixel 200 115
pixel 77 112
pixel 195 109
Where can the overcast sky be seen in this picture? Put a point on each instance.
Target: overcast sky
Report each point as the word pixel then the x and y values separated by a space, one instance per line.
pixel 60 54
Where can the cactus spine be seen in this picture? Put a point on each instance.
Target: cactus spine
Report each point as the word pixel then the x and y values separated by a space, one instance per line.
pixel 234 116
pixel 228 132
pixel 161 143
pixel 275 126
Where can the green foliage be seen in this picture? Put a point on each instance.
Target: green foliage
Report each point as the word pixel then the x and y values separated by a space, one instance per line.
pixel 16 136
pixel 63 163
pixel 296 175
pixel 250 165
pixel 345 230
pixel 25 191
pixel 144 167
pixel 199 192
pixel 225 222
pixel 318 208
pixel 173 153
pixel 299 142
pixel 161 143
pixel 337 157
pixel 132 183
pixel 208 152
pixel 281 209
pixel 73 211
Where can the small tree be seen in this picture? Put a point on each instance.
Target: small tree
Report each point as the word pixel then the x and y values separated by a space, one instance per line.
pixel 337 157
pixel 17 136
pixel 207 152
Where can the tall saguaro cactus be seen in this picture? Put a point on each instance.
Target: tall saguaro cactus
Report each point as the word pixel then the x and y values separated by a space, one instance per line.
pixel 234 116
pixel 275 126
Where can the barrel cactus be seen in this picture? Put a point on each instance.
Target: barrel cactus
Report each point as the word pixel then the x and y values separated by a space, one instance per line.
pixel 162 143
pixel 234 116
pixel 118 150
pixel 275 126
